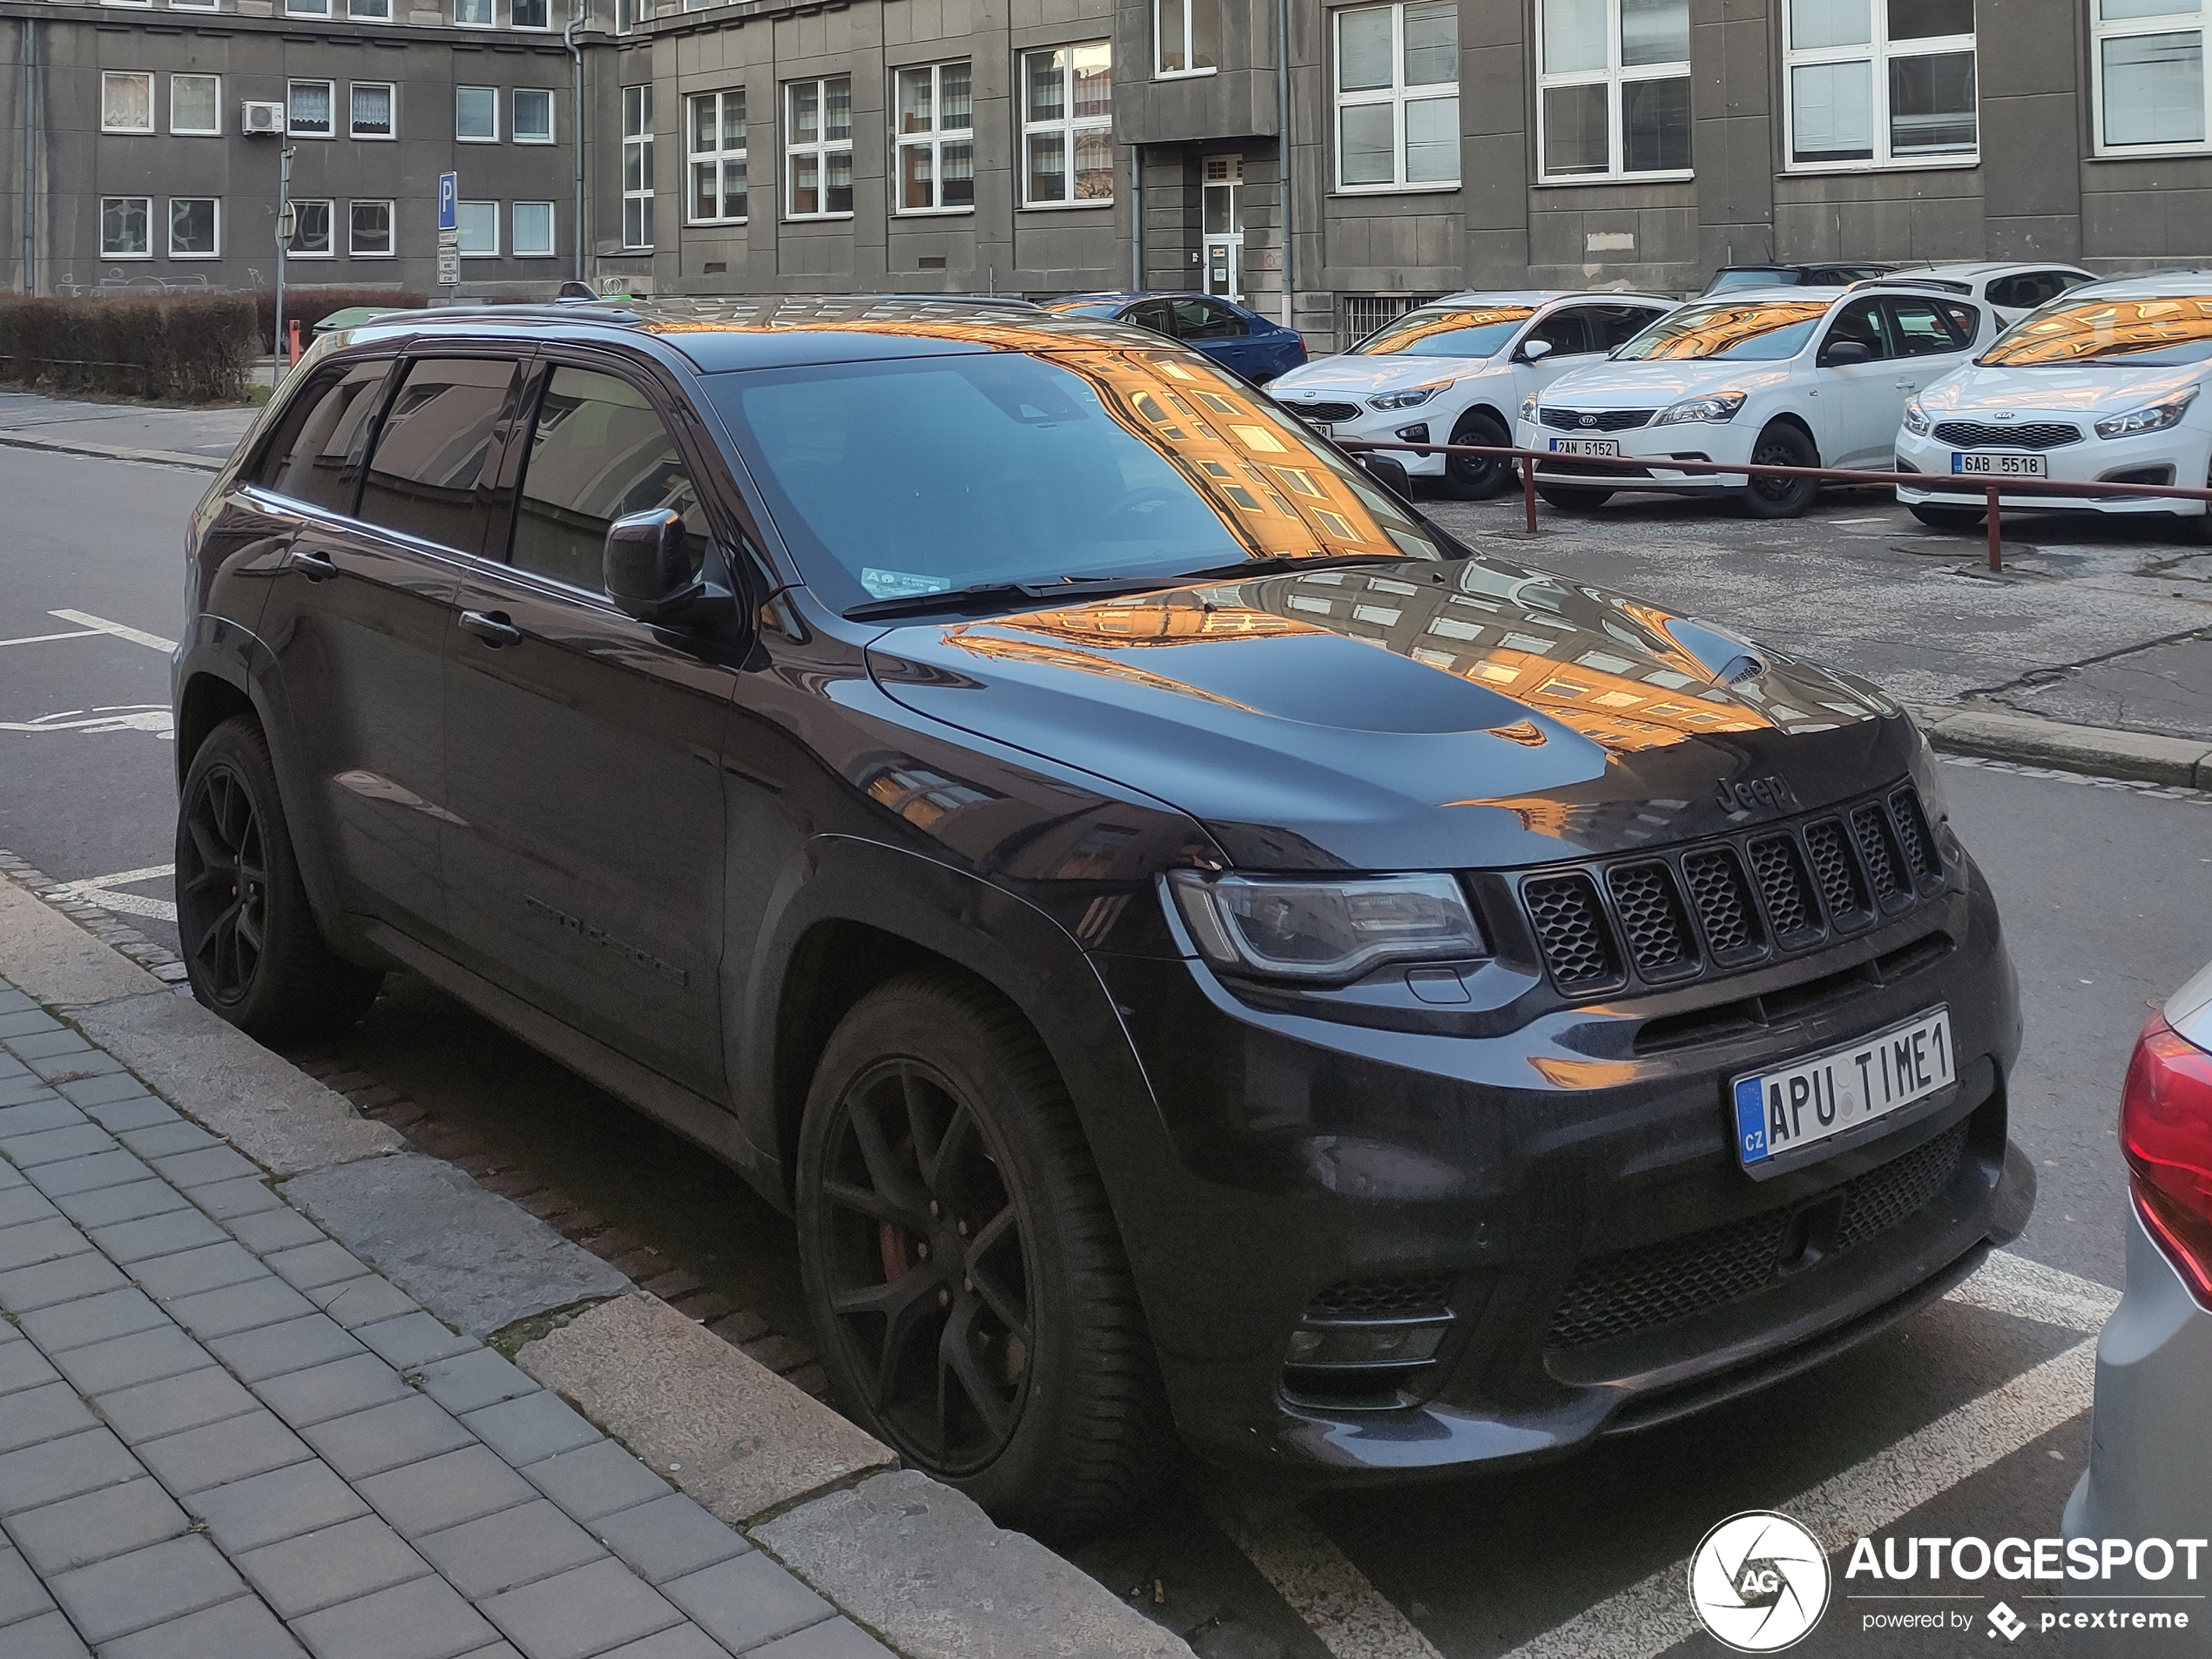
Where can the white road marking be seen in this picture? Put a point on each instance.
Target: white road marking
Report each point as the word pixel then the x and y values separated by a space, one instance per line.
pixel 1354 1619
pixel 94 890
pixel 123 717
pixel 1849 522
pixel 40 639
pixel 101 624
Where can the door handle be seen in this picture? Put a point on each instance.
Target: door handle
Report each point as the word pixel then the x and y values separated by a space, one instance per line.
pixel 316 567
pixel 1908 386
pixel 490 626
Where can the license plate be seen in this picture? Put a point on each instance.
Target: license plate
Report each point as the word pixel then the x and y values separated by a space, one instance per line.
pixel 1820 1097
pixel 1325 428
pixel 1586 446
pixel 1997 465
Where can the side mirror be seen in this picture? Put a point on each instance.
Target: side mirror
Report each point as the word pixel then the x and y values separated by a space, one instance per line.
pixel 1388 471
pixel 1535 351
pixel 647 571
pixel 1840 352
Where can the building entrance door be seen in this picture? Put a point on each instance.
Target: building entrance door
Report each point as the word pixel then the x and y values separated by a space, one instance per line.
pixel 1223 226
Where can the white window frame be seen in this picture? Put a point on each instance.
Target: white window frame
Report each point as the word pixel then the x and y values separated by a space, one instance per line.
pixel 1615 78
pixel 212 130
pixel 330 252
pixel 216 252
pixel 531 28
pixel 1188 32
pixel 392 91
pixel 306 8
pixel 821 147
pixel 552 248
pixel 468 252
pixel 137 5
pixel 515 119
pixel 1879 54
pixel 2172 22
pixel 490 14
pixel 718 158
pixel 1069 125
pixel 1398 95
pixel 107 252
pixel 111 77
pixel 362 11
pixel 933 140
pixel 491 96
pixel 291 129
pixel 191 5
pixel 631 14
pixel 637 164
pixel 391 228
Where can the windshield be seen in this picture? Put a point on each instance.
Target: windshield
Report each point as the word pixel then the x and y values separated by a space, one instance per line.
pixel 918 475
pixel 2145 334
pixel 1087 308
pixel 1727 280
pixel 1764 330
pixel 1445 331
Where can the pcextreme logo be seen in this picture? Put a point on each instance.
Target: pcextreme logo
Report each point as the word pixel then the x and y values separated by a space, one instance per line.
pixel 1759 1582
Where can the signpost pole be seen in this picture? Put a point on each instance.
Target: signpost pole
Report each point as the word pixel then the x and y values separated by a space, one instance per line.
pixel 449 230
pixel 284 235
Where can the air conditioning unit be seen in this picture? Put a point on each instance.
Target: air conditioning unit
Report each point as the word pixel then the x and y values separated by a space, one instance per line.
pixel 261 119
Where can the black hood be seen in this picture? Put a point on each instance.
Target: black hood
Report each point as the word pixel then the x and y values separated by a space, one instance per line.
pixel 1416 716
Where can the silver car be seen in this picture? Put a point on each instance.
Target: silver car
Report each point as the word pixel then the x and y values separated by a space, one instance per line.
pixel 2150 1454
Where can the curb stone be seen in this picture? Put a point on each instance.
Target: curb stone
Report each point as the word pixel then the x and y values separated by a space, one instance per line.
pixel 906 1555
pixel 2006 734
pixel 114 452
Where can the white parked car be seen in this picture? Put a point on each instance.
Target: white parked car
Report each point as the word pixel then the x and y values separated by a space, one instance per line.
pixel 1454 372
pixel 2102 384
pixel 2012 291
pixel 1785 377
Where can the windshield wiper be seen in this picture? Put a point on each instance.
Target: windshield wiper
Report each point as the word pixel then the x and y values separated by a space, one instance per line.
pixel 986 595
pixel 1277 563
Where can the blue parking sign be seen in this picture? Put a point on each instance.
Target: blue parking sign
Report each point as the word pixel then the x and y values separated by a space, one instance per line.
pixel 449 201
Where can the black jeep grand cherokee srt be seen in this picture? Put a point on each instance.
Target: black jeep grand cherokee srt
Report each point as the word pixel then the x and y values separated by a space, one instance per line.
pixel 1196 948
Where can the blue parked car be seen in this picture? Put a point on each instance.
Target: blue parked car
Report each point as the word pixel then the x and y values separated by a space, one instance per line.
pixel 1232 336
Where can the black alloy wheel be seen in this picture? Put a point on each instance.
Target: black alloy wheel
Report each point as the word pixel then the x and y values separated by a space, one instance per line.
pixel 1782 445
pixel 1573 498
pixel 1478 477
pixel 1959 519
pixel 965 1276
pixel 251 947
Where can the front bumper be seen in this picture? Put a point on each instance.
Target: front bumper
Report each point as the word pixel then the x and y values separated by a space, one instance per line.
pixel 2177 455
pixel 1722 442
pixel 1387 427
pixel 1333 1172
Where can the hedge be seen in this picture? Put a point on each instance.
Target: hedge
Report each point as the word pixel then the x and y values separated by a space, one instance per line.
pixel 178 348
pixel 308 307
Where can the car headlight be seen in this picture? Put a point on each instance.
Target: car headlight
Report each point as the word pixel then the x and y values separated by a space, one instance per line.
pixel 1717 406
pixel 2152 417
pixel 1290 927
pixel 1413 397
pixel 1915 418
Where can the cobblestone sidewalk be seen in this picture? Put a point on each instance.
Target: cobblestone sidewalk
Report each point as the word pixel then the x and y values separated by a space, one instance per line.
pixel 222 1434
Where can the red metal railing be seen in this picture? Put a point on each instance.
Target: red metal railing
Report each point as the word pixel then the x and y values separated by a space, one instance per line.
pixel 1934 482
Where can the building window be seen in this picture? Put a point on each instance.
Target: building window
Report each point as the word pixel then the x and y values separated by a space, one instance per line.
pixel 126 103
pixel 1615 87
pixel 1876 82
pixel 194 226
pixel 533 229
pixel 472 14
pixel 1186 36
pixel 140 4
pixel 196 105
pixel 533 115
pixel 122 227
pixel 530 14
pixel 2150 57
pixel 936 139
pixel 718 158
pixel 371 109
pixel 306 108
pixel 306 8
pixel 479 223
pixel 638 167
pixel 1398 96
pixel 362 11
pixel 629 13
pixel 369 230
pixel 196 5
pixel 476 114
pixel 818 139
pixel 310 230
pixel 1067 126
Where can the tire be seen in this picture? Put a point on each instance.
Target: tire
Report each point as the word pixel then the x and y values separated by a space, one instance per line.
pixel 1057 1424
pixel 1782 445
pixel 1478 477
pixel 251 946
pixel 1571 498
pixel 1961 520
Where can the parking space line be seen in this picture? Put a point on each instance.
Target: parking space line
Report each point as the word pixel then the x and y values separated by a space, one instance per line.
pixel 2010 1283
pixel 101 624
pixel 40 639
pixel 95 890
pixel 1351 1617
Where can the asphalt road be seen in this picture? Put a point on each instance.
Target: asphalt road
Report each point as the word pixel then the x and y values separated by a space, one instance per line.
pixel 1964 1419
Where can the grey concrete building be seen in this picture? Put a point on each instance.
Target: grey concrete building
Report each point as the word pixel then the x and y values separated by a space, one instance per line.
pixel 1047 147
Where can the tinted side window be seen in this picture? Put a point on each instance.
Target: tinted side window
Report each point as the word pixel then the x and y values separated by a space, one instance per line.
pixel 1861 321
pixel 2015 293
pixel 317 460
pixel 1203 319
pixel 1152 314
pixel 1612 325
pixel 1922 329
pixel 1565 332
pixel 597 452
pixel 429 455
